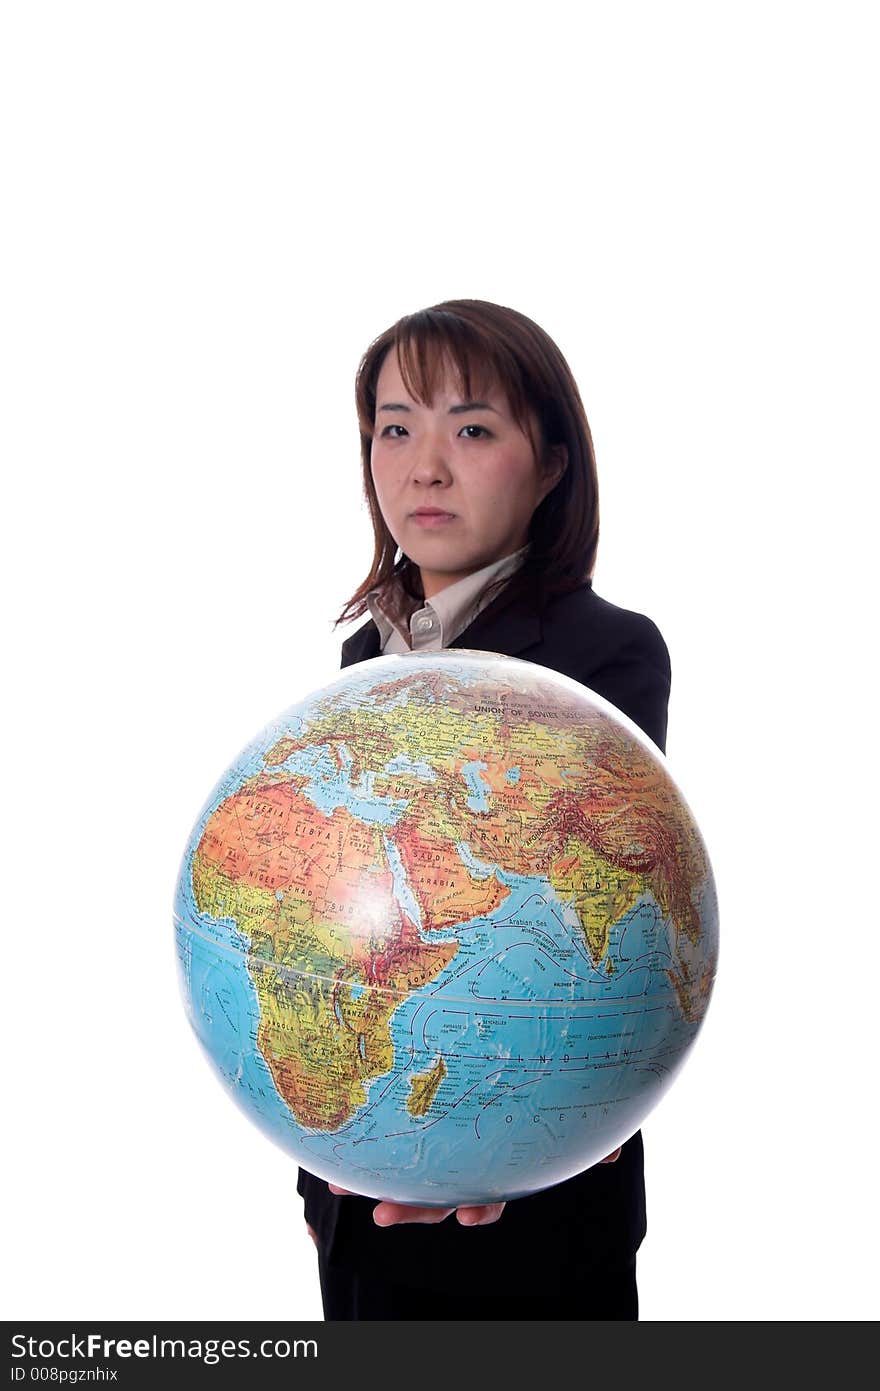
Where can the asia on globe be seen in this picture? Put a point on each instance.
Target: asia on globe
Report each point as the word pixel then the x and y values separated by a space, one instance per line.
pixel 447 928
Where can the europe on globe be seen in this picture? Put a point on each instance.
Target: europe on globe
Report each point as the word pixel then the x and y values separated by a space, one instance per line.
pixel 447 928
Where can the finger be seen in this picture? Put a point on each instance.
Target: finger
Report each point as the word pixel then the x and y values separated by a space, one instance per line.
pixel 612 1158
pixel 480 1216
pixel 389 1214
pixel 342 1192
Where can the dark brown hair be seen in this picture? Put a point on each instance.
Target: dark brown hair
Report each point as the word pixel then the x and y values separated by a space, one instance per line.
pixel 486 345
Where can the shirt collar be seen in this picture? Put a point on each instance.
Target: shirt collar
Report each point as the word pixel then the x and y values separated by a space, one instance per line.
pixel 455 606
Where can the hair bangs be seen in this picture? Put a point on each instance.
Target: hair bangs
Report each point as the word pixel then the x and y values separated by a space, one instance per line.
pixel 433 347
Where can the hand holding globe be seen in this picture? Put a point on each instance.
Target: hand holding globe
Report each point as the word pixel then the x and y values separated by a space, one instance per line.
pixel 389 1214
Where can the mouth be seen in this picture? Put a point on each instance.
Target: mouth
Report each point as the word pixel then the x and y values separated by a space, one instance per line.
pixel 432 518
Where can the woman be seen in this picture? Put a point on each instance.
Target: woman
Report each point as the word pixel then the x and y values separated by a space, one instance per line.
pixel 478 466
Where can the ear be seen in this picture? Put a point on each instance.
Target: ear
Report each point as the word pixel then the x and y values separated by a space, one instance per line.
pixel 556 465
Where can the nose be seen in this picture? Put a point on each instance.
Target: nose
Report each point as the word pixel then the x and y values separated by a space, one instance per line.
pixel 429 463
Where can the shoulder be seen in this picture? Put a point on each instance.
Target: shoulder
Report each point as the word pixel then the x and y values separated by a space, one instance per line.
pixel 583 617
pixel 619 653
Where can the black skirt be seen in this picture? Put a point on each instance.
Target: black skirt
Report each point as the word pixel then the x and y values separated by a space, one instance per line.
pixel 354 1295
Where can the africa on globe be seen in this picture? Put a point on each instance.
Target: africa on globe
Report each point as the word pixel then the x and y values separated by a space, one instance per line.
pixel 447 928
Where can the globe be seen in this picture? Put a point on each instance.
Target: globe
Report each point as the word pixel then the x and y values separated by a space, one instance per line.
pixel 447 928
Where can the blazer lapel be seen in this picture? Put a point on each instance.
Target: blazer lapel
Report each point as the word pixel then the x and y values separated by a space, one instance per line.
pixel 510 624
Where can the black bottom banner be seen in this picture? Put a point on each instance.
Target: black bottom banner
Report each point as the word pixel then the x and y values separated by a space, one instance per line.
pixel 89 1352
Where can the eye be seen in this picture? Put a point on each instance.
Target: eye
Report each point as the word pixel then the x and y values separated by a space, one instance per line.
pixel 482 428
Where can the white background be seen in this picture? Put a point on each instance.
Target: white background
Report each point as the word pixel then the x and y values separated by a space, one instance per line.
pixel 210 211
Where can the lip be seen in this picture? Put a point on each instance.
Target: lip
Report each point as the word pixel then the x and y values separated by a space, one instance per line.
pixel 432 518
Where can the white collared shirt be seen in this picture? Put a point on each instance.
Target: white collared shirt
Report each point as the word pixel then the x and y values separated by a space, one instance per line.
pixel 407 625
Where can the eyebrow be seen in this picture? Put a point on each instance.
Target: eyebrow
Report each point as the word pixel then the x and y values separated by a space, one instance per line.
pixel 453 410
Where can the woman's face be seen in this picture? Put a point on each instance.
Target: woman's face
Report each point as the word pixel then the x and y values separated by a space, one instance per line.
pixel 468 460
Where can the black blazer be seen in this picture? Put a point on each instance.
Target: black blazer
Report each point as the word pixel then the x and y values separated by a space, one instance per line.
pixel 543 1242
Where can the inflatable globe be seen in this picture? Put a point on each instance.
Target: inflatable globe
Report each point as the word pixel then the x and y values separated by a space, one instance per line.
pixel 447 928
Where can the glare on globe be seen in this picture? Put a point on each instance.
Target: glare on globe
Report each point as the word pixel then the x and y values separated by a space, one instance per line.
pixel 447 928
